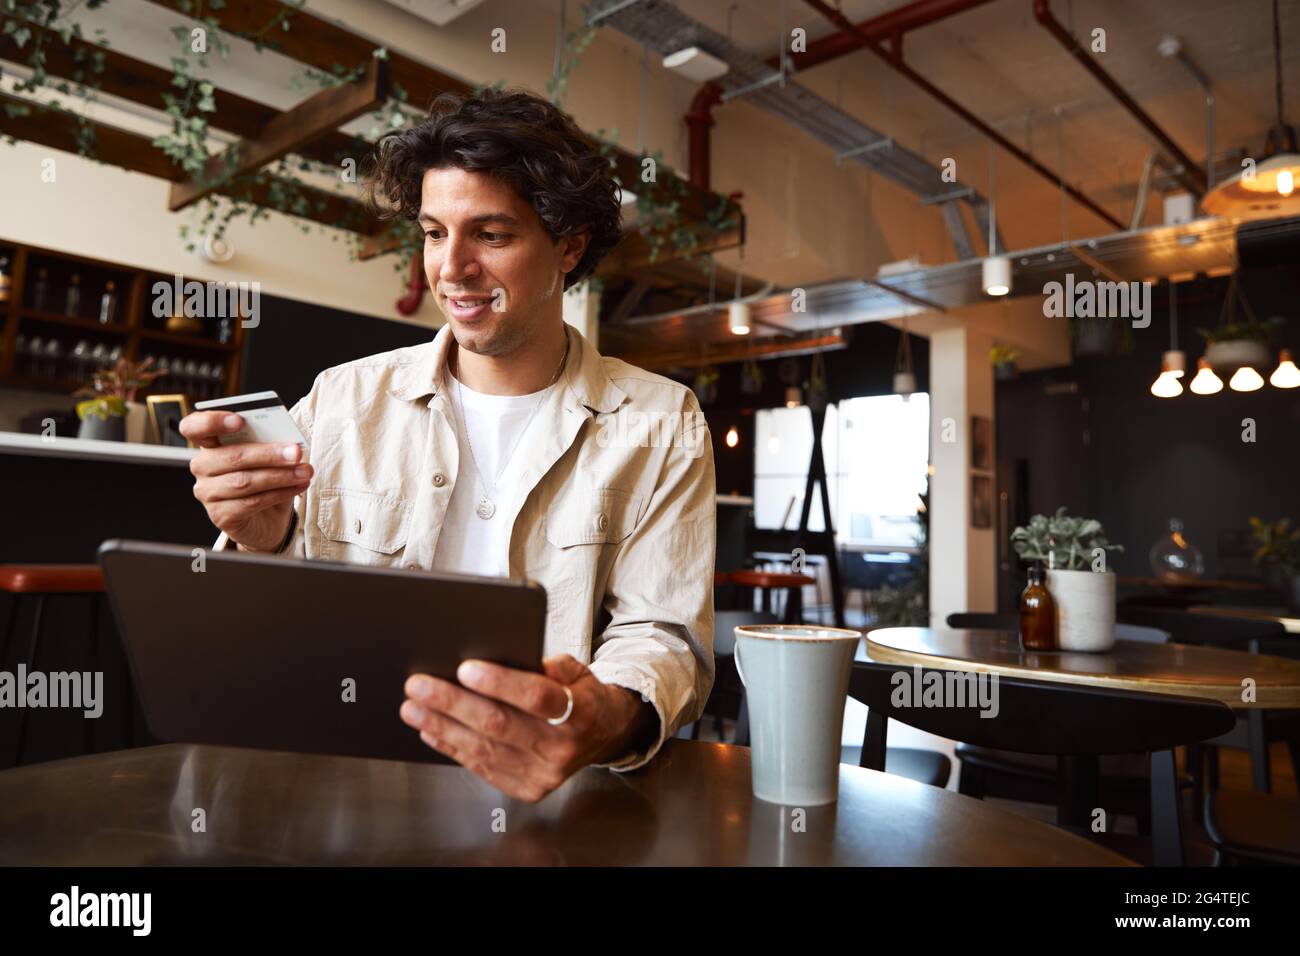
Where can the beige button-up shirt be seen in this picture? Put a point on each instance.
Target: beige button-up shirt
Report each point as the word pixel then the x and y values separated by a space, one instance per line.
pixel 618 517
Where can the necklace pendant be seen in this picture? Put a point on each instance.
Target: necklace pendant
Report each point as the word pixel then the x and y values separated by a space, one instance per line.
pixel 485 509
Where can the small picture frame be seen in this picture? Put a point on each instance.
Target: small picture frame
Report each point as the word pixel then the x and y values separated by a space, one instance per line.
pixel 165 414
pixel 981 443
pixel 981 501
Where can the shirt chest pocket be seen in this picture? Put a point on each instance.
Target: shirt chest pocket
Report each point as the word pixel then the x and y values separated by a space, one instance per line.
pixel 603 516
pixel 360 525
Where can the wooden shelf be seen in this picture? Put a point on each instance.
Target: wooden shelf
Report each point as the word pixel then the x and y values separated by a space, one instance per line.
pixel 177 338
pixel 73 321
pixel 129 330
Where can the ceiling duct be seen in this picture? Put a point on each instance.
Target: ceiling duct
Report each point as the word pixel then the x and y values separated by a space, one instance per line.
pixel 665 29
pixel 1203 246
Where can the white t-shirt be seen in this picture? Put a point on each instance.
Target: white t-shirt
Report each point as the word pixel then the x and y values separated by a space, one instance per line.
pixel 467 543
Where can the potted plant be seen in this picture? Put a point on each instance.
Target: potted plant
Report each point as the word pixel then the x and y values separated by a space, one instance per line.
pixel 1073 549
pixel 1003 360
pixel 705 385
pixel 1231 346
pixel 1237 342
pixel 1277 551
pixel 817 391
pixel 110 399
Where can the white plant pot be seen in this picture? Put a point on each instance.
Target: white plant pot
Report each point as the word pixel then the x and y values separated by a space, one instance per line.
pixel 1085 609
pixel 1232 354
pixel 137 422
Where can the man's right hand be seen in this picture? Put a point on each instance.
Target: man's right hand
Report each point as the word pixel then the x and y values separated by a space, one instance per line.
pixel 248 490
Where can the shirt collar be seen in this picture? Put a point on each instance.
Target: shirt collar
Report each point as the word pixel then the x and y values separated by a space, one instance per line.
pixel 584 377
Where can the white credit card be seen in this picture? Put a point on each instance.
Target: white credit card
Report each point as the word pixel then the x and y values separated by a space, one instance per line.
pixel 266 420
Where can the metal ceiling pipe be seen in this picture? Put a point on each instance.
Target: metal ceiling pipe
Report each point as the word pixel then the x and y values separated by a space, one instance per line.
pixel 894 58
pixel 1172 46
pixel 893 23
pixel 1191 174
pixel 699 119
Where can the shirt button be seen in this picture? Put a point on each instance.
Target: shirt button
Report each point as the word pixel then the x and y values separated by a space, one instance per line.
pixel 356 526
pixel 602 522
pixel 413 566
pixel 439 479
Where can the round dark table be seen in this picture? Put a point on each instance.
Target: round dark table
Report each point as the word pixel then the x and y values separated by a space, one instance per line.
pixel 692 805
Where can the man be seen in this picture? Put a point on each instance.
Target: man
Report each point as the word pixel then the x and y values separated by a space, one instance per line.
pixel 507 445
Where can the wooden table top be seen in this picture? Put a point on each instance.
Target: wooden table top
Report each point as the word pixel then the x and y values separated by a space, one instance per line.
pixel 1287 618
pixel 692 805
pixel 1179 669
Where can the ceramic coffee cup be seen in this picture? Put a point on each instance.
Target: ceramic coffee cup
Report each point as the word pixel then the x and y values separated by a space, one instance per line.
pixel 796 678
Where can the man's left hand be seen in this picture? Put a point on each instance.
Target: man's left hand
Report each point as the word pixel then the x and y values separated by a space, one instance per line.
pixel 496 725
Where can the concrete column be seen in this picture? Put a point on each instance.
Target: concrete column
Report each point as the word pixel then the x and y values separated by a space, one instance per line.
pixel 582 311
pixel 963 559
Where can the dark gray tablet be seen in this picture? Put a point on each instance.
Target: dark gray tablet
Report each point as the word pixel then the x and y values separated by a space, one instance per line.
pixel 307 656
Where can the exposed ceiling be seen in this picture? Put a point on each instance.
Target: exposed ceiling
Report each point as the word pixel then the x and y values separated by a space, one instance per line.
pixel 998 61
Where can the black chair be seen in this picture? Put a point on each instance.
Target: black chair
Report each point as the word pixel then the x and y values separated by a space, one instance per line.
pixel 979 621
pixel 1257 728
pixel 1030 778
pixel 1075 723
pixel 727 699
pixel 1253 828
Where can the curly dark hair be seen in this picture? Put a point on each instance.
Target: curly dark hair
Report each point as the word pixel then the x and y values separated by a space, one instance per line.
pixel 521 139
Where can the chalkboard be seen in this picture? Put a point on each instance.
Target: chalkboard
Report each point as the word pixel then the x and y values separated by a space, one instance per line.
pixel 295 341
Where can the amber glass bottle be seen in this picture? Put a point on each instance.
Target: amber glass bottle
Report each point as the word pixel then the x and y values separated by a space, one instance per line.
pixel 1037 614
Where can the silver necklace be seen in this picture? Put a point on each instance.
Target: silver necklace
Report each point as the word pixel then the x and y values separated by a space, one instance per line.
pixel 486 507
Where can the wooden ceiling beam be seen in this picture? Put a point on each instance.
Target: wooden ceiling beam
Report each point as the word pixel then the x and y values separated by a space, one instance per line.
pixel 311 119
pixel 321 44
pixel 57 129
pixel 139 82
pixel 736 351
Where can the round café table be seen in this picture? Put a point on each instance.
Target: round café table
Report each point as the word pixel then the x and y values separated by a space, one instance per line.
pixel 1180 669
pixel 692 805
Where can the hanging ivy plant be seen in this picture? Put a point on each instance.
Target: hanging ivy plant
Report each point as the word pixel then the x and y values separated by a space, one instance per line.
pixel 190 101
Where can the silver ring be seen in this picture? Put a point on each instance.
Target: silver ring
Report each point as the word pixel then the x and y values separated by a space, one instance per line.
pixel 556 721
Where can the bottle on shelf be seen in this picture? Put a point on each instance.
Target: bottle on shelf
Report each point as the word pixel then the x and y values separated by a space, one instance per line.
pixel 41 291
pixel 72 301
pixel 4 278
pixel 1037 613
pixel 80 359
pixel 35 355
pixel 53 359
pixel 108 304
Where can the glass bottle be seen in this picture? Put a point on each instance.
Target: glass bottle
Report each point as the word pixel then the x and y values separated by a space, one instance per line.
pixel 108 304
pixel 1037 614
pixel 1174 558
pixel 41 291
pixel 4 279
pixel 72 304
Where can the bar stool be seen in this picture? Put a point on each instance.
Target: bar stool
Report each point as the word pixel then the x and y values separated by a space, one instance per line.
pixel 768 581
pixel 41 581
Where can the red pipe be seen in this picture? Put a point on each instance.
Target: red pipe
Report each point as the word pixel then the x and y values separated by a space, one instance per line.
pixel 894 58
pixel 891 24
pixel 1191 174
pixel 699 118
pixel 415 288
